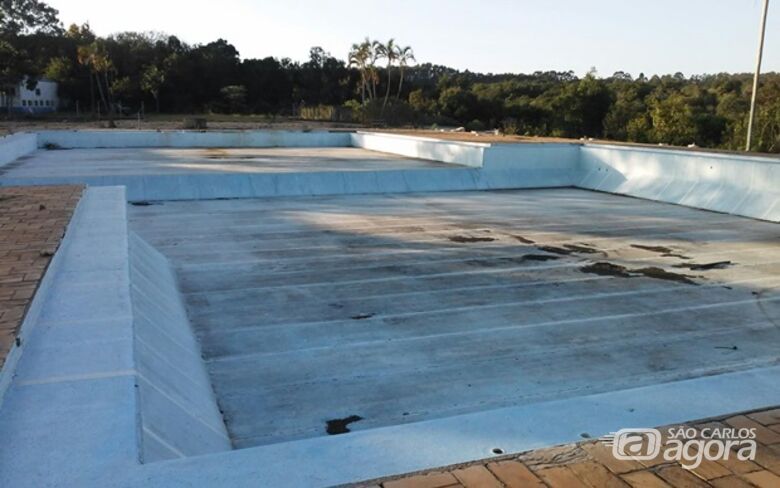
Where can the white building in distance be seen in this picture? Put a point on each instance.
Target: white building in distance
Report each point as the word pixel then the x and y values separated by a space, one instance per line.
pixel 41 99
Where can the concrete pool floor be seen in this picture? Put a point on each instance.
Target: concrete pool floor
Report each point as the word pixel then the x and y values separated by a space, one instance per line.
pixel 313 311
pixel 167 161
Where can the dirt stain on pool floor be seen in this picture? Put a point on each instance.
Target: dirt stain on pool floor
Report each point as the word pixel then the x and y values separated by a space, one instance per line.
pixel 611 269
pixel 705 266
pixel 523 239
pixel 503 261
pixel 665 252
pixel 567 249
pixel 465 239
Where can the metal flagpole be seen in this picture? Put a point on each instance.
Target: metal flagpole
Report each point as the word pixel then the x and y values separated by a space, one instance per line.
pixel 755 76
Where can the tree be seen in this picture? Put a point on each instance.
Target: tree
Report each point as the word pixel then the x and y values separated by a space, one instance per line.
pixel 20 19
pixel 95 57
pixel 358 58
pixel 152 80
pixel 389 52
pixel 364 56
pixel 235 96
pixel 268 82
pixel 458 103
pixel 373 72
pixel 132 68
pixel 404 55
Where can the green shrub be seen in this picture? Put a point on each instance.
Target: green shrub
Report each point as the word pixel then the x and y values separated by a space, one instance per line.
pixel 476 125
pixel 509 126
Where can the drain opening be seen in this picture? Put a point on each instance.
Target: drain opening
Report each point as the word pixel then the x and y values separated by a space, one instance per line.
pixel 497 450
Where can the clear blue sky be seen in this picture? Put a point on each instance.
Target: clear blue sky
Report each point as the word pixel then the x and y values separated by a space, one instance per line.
pixel 651 36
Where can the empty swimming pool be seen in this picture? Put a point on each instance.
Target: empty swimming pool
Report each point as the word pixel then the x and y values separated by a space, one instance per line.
pixel 321 315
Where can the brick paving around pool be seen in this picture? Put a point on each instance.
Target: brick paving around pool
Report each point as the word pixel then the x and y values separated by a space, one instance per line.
pixel 590 464
pixel 33 220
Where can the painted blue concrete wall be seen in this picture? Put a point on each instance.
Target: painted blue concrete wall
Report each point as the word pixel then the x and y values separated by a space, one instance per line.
pixel 14 146
pixel 734 184
pixel 151 138
pixel 461 153
pixel 70 412
pixel 261 185
pixel 536 165
pixel 179 416
pixel 109 373
pixel 31 317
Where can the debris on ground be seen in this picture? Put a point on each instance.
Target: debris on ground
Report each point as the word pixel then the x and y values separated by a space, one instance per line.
pixel 339 426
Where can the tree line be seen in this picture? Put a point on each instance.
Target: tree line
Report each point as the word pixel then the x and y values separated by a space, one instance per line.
pixel 377 83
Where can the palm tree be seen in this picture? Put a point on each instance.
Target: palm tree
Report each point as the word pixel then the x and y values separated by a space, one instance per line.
pixel 95 57
pixel 404 55
pixel 375 53
pixel 363 56
pixel 389 52
pixel 358 58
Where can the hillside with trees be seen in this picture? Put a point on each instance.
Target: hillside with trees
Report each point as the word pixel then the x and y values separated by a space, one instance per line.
pixel 378 83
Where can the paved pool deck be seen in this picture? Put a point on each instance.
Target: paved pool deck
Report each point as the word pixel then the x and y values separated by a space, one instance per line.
pixel 360 312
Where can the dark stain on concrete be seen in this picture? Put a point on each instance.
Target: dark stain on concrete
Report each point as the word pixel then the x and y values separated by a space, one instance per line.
pixel 662 274
pixel 339 426
pixel 230 157
pixel 658 249
pixel 579 248
pixel 463 239
pixel 610 269
pixel 662 250
pixel 523 239
pixel 215 153
pixel 555 250
pixel 499 262
pixel 606 269
pixel 705 266
pixel 539 257
pixel 567 249
pixel 362 316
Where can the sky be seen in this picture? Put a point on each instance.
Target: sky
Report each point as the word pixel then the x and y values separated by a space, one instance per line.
pixel 498 36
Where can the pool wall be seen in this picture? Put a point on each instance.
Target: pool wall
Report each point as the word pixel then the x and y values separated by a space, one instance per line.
pixel 178 412
pixel 14 146
pixel 88 391
pixel 730 183
pixel 84 139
